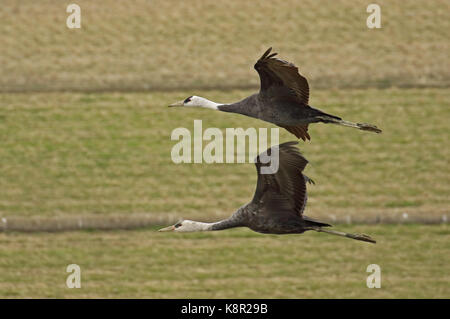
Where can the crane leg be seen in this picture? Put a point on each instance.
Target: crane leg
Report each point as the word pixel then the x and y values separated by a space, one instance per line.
pixel 360 126
pixel 362 237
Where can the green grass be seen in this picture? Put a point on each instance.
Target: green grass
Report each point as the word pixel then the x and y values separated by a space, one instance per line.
pixel 168 44
pixel 108 154
pixel 229 264
pixel 68 154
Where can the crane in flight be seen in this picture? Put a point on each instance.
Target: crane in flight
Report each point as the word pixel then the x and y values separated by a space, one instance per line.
pixel 282 100
pixel 278 203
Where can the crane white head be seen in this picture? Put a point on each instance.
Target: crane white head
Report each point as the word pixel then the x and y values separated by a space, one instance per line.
pixel 185 226
pixel 197 101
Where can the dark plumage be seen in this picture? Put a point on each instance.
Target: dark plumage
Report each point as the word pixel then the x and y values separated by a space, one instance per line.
pixel 280 199
pixel 283 99
pixel 278 203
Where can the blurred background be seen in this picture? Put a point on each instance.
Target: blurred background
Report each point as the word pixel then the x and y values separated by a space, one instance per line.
pixel 85 144
pixel 171 45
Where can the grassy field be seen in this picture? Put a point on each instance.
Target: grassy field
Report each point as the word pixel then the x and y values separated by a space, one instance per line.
pixel 170 44
pixel 66 154
pixel 230 264
pixel 85 136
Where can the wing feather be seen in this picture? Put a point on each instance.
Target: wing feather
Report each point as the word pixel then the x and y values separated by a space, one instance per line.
pixel 285 189
pixel 281 79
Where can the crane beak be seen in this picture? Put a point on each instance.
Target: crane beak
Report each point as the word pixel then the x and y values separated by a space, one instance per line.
pixel 180 103
pixel 170 228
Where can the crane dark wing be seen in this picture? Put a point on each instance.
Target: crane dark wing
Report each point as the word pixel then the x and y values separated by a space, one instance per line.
pixel 281 79
pixel 285 189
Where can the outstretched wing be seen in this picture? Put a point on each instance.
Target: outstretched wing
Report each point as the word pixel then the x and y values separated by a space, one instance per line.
pixel 281 80
pixel 285 189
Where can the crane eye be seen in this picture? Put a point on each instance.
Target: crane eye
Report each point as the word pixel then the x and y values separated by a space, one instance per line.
pixel 188 100
pixel 177 225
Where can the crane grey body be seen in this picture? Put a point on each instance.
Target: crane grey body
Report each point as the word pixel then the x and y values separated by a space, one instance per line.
pixel 282 100
pixel 277 205
pixel 281 113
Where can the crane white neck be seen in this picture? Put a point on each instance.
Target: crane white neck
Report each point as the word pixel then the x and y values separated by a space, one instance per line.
pixel 194 226
pixel 198 101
